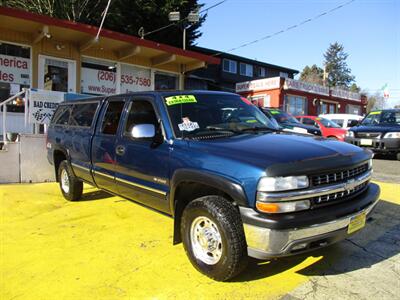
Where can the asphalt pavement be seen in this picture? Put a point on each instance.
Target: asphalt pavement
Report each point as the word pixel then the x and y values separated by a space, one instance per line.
pixel 386 169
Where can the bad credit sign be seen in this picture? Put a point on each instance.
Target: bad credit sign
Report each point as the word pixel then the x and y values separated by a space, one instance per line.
pixel 42 105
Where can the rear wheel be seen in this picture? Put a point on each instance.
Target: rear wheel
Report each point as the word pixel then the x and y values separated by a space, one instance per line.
pixel 213 237
pixel 71 187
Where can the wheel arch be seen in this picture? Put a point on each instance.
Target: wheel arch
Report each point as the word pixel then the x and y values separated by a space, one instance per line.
pixel 58 156
pixel 187 185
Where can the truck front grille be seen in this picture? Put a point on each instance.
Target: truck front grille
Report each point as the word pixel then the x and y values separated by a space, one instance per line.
pixel 340 176
pixel 370 135
pixel 340 196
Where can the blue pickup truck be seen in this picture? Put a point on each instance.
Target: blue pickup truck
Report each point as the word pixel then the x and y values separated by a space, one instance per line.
pixel 235 185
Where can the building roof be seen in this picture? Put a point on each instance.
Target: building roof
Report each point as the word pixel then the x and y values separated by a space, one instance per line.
pixel 221 54
pixel 83 34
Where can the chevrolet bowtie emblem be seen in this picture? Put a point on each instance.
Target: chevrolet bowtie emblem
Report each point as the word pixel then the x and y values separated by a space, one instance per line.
pixel 350 185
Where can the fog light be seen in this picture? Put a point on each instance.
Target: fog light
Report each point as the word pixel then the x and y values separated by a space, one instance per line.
pixel 299 246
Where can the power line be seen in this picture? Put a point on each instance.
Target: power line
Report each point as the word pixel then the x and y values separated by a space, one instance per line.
pixel 288 28
pixel 184 19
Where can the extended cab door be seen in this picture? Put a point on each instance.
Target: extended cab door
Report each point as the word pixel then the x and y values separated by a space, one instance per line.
pixel 103 145
pixel 142 166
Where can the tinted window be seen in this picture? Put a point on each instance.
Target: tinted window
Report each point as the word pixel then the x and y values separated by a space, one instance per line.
pixel 382 117
pixel 328 123
pixel 308 121
pixel 61 116
pixel 140 112
pixel 338 121
pixel 283 117
pixel 112 117
pixel 352 123
pixel 82 114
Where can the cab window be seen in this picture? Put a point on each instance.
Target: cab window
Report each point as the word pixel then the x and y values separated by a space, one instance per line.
pixel 112 117
pixel 140 112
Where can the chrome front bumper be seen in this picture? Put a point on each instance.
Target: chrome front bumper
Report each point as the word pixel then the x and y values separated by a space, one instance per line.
pixel 266 243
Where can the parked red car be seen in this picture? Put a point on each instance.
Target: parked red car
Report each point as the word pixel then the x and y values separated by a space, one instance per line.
pixel 329 129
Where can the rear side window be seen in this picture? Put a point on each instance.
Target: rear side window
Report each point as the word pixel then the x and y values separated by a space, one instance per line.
pixel 338 121
pixel 61 116
pixel 308 121
pixel 83 114
pixel 112 117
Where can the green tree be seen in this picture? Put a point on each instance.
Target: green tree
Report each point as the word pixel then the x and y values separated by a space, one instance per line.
pixel 339 74
pixel 125 16
pixel 83 11
pixel 354 88
pixel 313 74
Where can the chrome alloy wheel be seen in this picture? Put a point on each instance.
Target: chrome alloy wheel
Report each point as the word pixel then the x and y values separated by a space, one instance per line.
pixel 64 181
pixel 206 240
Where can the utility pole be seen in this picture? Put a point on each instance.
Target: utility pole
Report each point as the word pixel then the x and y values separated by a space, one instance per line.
pixel 192 18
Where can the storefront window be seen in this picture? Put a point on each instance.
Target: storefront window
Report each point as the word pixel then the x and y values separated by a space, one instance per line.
pixel 15 69
pixel 135 79
pixel 324 108
pixel 296 105
pixel 55 75
pixel 353 109
pixel 98 77
pixel 165 81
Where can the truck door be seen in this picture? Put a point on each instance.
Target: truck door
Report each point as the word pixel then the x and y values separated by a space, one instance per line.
pixel 142 167
pixel 103 145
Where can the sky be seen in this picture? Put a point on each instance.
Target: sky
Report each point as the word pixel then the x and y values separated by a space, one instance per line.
pixel 368 29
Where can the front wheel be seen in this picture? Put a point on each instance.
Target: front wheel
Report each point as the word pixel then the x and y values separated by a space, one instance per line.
pixel 213 237
pixel 71 187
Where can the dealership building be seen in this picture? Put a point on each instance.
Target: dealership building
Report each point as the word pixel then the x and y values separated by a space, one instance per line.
pixel 41 52
pixel 301 98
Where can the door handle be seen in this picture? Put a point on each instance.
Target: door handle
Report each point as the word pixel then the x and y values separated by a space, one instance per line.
pixel 120 150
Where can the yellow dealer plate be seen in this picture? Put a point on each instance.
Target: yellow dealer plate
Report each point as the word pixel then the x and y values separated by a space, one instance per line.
pixel 356 223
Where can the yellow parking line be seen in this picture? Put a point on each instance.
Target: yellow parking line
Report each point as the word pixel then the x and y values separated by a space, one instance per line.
pixel 110 248
pixel 390 192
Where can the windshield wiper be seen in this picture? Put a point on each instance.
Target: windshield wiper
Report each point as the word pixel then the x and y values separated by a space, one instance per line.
pixel 257 129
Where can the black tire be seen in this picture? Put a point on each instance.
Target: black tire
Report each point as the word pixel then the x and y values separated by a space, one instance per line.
pixel 232 239
pixel 75 188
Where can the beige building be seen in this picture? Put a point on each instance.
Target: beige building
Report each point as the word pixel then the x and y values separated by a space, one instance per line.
pixel 46 53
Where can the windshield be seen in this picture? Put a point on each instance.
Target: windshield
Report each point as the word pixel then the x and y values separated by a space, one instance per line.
pixel 205 114
pixel 328 123
pixel 283 117
pixel 382 117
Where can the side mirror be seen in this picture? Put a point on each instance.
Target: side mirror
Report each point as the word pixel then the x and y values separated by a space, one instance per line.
pixel 143 131
pixel 354 123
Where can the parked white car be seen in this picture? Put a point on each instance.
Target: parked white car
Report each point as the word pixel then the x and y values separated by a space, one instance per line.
pixel 343 120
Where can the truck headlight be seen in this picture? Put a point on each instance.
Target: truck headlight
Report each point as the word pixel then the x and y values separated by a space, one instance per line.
pixel 392 135
pixel 282 207
pixel 350 133
pixel 370 164
pixel 276 184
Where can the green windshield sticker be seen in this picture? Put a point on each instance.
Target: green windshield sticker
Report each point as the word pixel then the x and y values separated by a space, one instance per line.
pixel 274 112
pixel 375 113
pixel 251 121
pixel 180 99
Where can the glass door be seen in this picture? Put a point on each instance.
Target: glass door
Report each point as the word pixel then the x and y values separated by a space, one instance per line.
pixel 56 74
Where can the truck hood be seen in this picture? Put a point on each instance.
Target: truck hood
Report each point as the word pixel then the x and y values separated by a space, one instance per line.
pixel 376 128
pixel 284 153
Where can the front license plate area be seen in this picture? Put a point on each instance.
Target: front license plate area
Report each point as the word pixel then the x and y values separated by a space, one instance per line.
pixel 366 142
pixel 356 223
